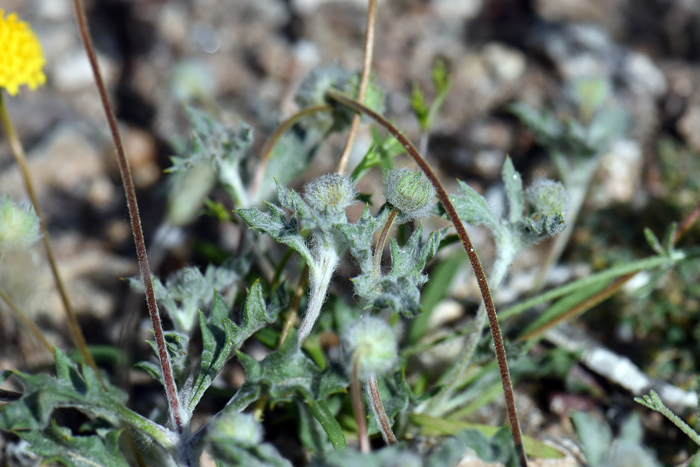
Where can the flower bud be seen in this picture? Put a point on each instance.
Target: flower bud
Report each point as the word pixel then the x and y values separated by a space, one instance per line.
pixel 372 343
pixel 19 225
pixel 241 428
pixel 547 197
pixel 336 192
pixel 409 193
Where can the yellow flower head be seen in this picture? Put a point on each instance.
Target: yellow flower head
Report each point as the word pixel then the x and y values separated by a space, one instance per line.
pixel 21 58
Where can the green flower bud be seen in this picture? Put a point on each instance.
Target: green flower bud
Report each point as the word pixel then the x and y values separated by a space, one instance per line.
pixel 371 342
pixel 19 225
pixel 409 193
pixel 241 428
pixel 332 191
pixel 547 197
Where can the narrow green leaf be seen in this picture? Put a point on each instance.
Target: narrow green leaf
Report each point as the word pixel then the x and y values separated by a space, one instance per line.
pixel 433 426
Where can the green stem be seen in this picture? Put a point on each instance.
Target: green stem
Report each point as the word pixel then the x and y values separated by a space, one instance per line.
pixel 471 253
pixel 20 158
pixel 321 412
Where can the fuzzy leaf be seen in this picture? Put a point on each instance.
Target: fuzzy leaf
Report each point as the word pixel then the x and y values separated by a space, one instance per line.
pixel 288 371
pixel 472 208
pixel 221 336
pixel 400 289
pixel 275 224
pixel 397 455
pixel 178 349
pixel 595 437
pixel 78 387
pixel 57 444
pixel 359 237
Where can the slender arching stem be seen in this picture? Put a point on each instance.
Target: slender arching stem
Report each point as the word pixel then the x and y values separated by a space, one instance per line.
pixel 272 140
pixel 364 84
pixel 177 413
pixel 471 253
pixel 383 419
pixel 18 152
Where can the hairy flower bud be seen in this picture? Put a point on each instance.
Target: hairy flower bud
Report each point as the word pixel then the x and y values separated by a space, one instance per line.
pixel 409 193
pixel 547 197
pixel 372 343
pixel 241 428
pixel 332 191
pixel 19 225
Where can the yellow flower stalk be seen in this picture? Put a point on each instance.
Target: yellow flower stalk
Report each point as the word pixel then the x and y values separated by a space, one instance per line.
pixel 21 58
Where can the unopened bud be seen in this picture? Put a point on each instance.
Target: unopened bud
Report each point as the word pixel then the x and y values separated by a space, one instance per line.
pixel 410 193
pixel 19 225
pixel 332 191
pixel 372 344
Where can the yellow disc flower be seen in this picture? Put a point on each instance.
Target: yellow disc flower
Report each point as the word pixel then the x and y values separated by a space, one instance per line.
pixel 21 58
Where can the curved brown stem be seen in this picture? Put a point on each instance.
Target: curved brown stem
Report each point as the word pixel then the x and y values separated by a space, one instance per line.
pixel 383 419
pixel 177 412
pixel 473 258
pixel 270 143
pixel 364 84
pixel 18 153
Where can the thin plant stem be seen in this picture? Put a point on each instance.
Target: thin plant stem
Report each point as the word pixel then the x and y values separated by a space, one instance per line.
pixel 178 414
pixel 382 240
pixel 18 152
pixel 581 307
pixel 379 411
pixel 294 307
pixel 364 84
pixel 358 408
pixel 272 140
pixel 26 322
pixel 687 223
pixel 471 253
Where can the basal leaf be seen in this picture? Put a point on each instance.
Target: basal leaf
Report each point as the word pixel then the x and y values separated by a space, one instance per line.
pixel 78 387
pixel 57 444
pixel 221 336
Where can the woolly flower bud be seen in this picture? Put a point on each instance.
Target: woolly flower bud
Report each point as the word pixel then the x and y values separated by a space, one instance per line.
pixel 373 343
pixel 334 191
pixel 547 197
pixel 19 225
pixel 408 192
pixel 241 428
